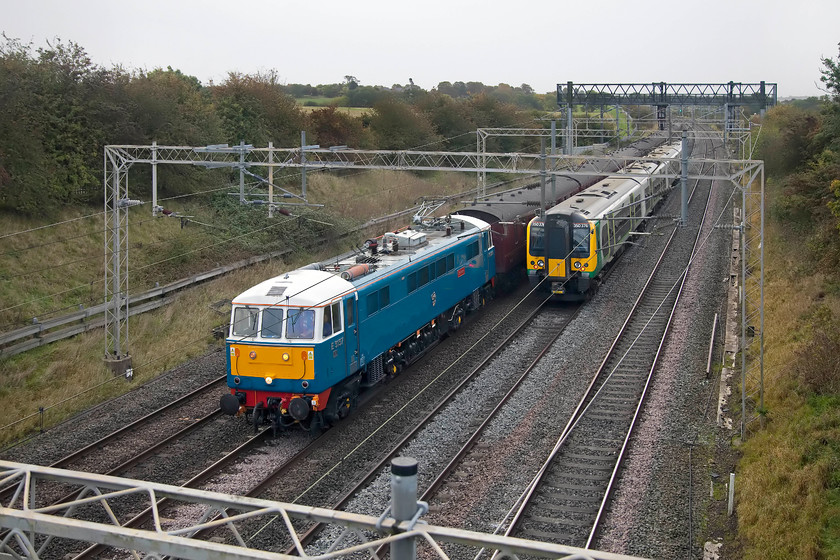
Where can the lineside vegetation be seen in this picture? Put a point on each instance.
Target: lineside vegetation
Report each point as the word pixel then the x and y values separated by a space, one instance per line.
pixel 789 489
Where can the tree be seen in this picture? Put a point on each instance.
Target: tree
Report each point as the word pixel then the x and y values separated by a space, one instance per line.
pixel 365 96
pixel 446 88
pixel 332 127
pixel 351 82
pixel 397 126
pixel 173 109
pixel 451 119
pixel 255 109
pixel 831 76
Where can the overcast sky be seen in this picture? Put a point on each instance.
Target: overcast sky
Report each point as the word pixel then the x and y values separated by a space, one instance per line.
pixel 385 42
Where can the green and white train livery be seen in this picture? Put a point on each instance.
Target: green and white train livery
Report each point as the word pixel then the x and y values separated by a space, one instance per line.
pixel 569 247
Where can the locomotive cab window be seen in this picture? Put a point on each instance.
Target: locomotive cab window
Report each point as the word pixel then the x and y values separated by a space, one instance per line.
pixel 332 320
pixel 272 323
pixel 245 321
pixel 300 324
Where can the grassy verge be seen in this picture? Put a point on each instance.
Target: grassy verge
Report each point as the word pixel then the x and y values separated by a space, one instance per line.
pixel 789 477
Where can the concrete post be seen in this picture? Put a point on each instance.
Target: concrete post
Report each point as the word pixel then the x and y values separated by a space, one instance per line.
pixel 731 506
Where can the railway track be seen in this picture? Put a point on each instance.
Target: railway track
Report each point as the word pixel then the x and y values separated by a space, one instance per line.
pixel 540 329
pixel 302 455
pixel 128 446
pixel 566 500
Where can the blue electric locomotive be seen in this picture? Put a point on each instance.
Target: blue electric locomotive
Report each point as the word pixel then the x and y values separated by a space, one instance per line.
pixel 301 345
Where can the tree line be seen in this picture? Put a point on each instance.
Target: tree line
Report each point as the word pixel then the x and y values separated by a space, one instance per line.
pixel 800 145
pixel 58 110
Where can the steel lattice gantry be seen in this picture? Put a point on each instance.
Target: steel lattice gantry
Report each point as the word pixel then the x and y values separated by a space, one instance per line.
pixel 745 175
pixel 762 94
pixel 29 528
pixel 662 95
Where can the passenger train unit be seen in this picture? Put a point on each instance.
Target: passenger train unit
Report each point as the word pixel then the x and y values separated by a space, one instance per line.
pixel 509 212
pixel 569 247
pixel 302 345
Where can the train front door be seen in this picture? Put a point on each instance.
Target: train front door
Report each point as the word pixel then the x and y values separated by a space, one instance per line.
pixel 351 332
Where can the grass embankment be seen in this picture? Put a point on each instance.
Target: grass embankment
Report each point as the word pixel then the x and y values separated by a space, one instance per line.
pixel 69 376
pixel 789 476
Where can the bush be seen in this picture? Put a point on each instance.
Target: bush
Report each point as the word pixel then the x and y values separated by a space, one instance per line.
pixel 817 364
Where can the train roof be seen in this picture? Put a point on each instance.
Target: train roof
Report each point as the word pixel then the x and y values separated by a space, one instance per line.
pixel 318 283
pixel 606 193
pixel 520 204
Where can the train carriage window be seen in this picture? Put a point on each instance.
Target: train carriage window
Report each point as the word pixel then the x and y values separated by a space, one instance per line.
pixel 384 297
pixel 431 272
pixel 272 323
pixel 441 267
pixel 412 282
pixel 622 227
pixel 606 242
pixel 450 262
pixel 300 323
pixel 245 321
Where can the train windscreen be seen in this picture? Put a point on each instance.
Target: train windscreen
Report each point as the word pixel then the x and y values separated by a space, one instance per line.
pixel 536 244
pixel 580 240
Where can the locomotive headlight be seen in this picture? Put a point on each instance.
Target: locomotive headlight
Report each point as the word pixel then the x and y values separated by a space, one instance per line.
pixel 285 356
pixel 268 380
pixel 577 265
pixel 540 263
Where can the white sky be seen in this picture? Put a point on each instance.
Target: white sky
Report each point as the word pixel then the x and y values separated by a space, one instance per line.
pixel 383 42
